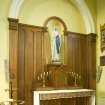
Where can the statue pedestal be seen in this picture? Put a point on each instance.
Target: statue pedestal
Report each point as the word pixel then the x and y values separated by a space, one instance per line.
pixel 56 62
pixel 57 74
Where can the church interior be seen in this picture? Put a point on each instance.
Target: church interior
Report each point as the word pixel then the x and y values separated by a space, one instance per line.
pixel 52 52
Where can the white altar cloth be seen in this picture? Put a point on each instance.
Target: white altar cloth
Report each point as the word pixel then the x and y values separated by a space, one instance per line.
pixel 57 94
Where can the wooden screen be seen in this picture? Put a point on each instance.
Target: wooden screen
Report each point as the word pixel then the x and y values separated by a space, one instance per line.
pixel 80 56
pixel 30 60
pixel 27 59
pixel 26 48
pixel 13 56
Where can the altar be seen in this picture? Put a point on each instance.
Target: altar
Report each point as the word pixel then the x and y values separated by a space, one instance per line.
pixel 31 65
pixel 62 94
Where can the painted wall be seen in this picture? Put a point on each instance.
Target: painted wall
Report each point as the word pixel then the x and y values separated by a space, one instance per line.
pixel 93 9
pixel 100 21
pixel 4 54
pixel 36 12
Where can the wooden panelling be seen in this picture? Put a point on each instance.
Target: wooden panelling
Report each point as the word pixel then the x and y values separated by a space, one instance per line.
pixel 91 38
pixel 13 56
pixel 30 60
pixel 26 58
pixel 39 53
pixel 28 65
pixel 81 57
pixel 21 65
pixel 76 61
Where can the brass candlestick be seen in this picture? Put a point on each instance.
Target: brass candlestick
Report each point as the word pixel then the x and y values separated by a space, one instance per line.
pixel 75 82
pixel 44 79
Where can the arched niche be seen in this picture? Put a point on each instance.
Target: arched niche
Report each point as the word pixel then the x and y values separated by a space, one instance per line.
pixel 57 19
pixel 55 48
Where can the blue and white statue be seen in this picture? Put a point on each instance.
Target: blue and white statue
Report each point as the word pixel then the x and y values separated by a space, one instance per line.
pixel 55 45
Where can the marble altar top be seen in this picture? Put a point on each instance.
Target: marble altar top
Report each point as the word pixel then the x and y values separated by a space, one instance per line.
pixel 57 94
pixel 63 91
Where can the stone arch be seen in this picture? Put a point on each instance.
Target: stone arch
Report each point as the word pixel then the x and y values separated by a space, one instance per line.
pixel 15 8
pixel 87 17
pixel 80 4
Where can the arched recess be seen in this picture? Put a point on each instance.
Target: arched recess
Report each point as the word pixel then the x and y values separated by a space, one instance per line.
pixel 15 8
pixel 80 4
pixel 56 18
pixel 86 14
pixel 55 27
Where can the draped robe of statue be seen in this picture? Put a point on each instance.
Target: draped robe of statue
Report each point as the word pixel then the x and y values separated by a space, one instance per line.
pixel 55 45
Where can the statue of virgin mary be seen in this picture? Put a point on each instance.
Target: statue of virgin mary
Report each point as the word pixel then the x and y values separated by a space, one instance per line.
pixel 55 45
